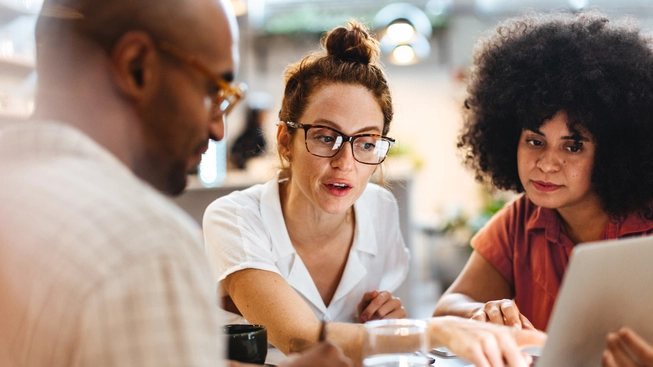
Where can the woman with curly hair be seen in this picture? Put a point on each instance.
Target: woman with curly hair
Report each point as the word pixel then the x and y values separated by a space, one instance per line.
pixel 560 108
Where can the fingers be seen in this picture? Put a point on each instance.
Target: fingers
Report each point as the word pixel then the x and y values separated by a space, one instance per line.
pixel 499 349
pixel 480 315
pixel 492 352
pixel 483 344
pixel 501 312
pixel 367 298
pixel 608 359
pixel 526 323
pixel 618 356
pixel 511 351
pixel 528 337
pixel 638 347
pixel 511 313
pixel 383 306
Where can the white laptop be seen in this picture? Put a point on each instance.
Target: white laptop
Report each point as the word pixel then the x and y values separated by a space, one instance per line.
pixel 608 284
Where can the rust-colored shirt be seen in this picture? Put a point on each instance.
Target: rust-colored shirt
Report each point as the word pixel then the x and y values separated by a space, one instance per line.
pixel 528 246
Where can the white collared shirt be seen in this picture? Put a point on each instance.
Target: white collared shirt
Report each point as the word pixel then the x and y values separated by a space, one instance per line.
pixel 246 229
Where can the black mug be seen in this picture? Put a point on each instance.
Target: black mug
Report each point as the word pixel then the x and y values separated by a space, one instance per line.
pixel 246 343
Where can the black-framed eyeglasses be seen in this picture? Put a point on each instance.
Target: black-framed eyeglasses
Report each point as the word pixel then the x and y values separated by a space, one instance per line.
pixel 225 96
pixel 326 142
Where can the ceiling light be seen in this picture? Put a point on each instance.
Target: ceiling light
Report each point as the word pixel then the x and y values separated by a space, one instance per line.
pixel 403 54
pixel 578 4
pixel 404 31
pixel 400 32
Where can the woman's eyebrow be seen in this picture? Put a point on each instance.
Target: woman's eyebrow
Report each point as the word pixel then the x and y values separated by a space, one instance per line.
pixel 535 131
pixel 575 137
pixel 336 126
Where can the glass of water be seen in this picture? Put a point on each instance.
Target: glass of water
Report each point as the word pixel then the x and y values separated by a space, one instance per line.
pixel 395 343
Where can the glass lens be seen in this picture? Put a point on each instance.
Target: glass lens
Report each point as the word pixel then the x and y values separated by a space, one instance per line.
pixel 323 142
pixel 371 149
pixel 326 142
pixel 223 103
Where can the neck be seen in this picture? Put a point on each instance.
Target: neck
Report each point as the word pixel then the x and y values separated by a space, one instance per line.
pixel 307 225
pixel 76 87
pixel 584 223
pixel 85 100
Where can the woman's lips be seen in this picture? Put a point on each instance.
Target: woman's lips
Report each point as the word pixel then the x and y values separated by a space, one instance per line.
pixel 545 186
pixel 338 189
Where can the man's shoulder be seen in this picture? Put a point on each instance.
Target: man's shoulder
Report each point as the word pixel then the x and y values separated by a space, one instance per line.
pixel 82 213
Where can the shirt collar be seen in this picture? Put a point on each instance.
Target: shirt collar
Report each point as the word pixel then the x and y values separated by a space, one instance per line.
pixel 631 224
pixel 547 219
pixel 272 214
pixel 44 139
pixel 365 236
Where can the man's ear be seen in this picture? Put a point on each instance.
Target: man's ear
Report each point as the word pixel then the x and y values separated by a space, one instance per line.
pixel 134 64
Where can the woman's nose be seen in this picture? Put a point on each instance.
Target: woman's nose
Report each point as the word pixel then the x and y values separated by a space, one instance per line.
pixel 344 159
pixel 548 162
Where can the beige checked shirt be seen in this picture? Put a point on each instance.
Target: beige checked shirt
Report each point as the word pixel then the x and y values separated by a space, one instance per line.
pixel 96 267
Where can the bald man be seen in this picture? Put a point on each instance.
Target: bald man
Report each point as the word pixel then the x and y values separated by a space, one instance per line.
pixel 97 267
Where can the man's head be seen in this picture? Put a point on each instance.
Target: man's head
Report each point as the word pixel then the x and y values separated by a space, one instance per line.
pixel 147 69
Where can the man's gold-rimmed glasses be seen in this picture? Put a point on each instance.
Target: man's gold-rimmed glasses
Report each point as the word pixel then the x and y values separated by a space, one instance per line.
pixel 225 96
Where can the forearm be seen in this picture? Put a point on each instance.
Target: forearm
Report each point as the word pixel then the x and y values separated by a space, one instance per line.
pixel 349 337
pixel 292 326
pixel 457 304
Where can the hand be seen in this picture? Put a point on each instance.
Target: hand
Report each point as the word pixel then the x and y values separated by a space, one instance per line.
pixel 377 305
pixel 502 312
pixel 626 348
pixel 484 344
pixel 324 354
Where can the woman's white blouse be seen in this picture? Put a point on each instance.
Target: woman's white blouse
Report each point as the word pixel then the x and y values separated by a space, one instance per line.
pixel 246 229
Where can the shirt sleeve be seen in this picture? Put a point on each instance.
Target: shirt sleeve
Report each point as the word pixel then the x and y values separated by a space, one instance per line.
pixel 235 237
pixel 495 240
pixel 158 309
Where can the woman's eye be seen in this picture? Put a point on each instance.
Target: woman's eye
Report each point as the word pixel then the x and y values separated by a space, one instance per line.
pixel 325 139
pixel 534 142
pixel 368 146
pixel 575 148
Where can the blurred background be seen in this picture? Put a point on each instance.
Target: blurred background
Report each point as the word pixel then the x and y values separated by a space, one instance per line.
pixel 427 49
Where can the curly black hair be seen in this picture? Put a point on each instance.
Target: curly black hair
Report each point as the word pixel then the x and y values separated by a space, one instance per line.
pixel 599 71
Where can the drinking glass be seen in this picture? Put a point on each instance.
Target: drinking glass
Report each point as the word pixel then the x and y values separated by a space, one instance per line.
pixel 395 343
